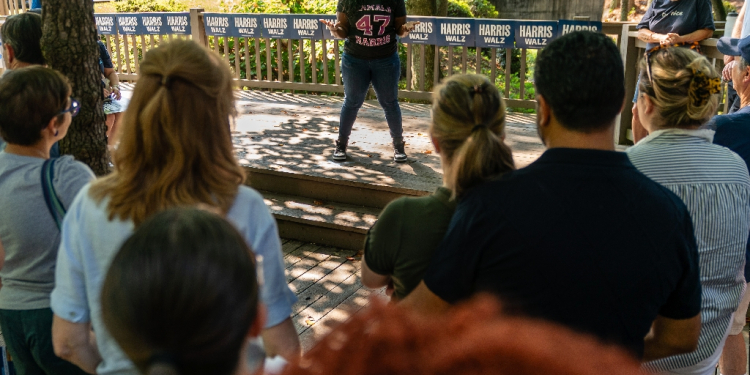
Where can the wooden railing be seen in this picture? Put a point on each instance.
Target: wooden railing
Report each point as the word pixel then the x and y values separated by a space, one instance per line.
pixel 10 7
pixel 313 65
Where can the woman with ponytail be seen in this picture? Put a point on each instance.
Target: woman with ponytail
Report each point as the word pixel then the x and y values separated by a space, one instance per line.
pixel 678 93
pixel 175 150
pixel 467 131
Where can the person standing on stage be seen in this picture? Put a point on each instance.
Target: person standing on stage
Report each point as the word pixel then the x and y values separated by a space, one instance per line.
pixel 370 56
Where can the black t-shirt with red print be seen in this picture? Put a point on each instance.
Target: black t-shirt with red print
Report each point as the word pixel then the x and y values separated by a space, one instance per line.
pixel 372 28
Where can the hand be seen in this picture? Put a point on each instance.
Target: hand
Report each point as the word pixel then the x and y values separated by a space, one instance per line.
pixel 671 39
pixel 409 26
pixel 333 27
pixel 107 93
pixel 116 92
pixel 727 72
pixel 728 59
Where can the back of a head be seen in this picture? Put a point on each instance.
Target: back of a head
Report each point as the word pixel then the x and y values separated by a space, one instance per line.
pixel 176 147
pixel 468 122
pixel 29 98
pixel 473 339
pixel 683 87
pixel 181 294
pixel 23 32
pixel 581 76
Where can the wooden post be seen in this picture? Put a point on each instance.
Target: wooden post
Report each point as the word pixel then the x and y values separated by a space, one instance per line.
pixel 629 53
pixel 198 28
pixel 4 11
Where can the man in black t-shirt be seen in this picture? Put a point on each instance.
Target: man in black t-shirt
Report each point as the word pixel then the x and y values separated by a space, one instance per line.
pixel 566 239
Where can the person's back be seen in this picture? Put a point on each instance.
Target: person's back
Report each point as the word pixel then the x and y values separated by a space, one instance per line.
pixel 558 242
pixel 564 239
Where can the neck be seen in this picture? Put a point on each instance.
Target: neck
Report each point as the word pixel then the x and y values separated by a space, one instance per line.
pixel 745 97
pixel 16 64
pixel 36 151
pixel 560 137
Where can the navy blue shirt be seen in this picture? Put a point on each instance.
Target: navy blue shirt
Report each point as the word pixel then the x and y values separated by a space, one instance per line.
pixel 681 17
pixel 733 132
pixel 579 237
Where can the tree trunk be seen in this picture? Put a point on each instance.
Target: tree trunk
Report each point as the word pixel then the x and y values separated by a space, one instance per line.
pixel 425 8
pixel 624 9
pixel 69 45
pixel 720 13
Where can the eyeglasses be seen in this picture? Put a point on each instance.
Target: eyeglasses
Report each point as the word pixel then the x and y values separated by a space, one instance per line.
pixel 694 46
pixel 74 108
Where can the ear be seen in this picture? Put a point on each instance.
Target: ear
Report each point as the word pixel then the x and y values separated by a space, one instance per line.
pixel 544 112
pixel 435 144
pixel 53 126
pixel 648 105
pixel 9 53
pixel 259 323
pixel 746 75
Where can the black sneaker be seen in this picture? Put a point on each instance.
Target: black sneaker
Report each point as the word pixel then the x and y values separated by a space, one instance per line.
pixel 340 153
pixel 399 156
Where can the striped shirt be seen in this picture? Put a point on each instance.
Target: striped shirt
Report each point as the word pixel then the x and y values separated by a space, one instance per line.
pixel 714 184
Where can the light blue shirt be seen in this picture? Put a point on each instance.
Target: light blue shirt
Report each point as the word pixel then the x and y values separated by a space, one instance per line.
pixel 90 241
pixel 714 184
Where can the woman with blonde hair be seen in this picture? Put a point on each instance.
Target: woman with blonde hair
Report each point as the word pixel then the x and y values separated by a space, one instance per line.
pixel 175 150
pixel 678 94
pixel 467 131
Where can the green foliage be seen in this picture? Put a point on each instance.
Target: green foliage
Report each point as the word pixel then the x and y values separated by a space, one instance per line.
pixel 459 8
pixel 138 6
pixel 280 6
pixel 728 7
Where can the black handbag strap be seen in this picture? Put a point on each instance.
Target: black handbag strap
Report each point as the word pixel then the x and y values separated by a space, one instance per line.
pixel 54 205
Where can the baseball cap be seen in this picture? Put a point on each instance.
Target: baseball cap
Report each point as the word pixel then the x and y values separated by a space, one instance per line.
pixel 735 47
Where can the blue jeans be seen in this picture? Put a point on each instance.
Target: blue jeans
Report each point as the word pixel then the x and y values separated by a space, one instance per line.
pixel 357 75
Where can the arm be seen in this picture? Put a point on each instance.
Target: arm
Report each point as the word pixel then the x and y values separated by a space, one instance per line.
pixel 649 36
pixel 72 342
pixel 371 279
pixel 736 33
pixel 695 36
pixel 340 29
pixel 669 337
pixel 424 301
pixel 114 82
pixel 282 340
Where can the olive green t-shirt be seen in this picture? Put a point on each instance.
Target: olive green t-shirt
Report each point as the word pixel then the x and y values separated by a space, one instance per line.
pixel 403 239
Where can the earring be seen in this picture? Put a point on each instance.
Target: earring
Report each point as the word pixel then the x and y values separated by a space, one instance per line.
pixel 56 132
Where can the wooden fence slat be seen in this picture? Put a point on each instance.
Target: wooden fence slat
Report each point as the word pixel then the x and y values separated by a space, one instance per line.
pixel 302 68
pixel 118 54
pixel 248 61
pixel 436 70
pixel 290 60
pixel 479 60
pixel 143 47
pixel 324 48
pixel 450 61
pixel 508 59
pixel 422 71
pixel 237 57
pixel 226 52
pixel 409 56
pixel 269 74
pixel 170 37
pixel 127 54
pixel 464 59
pixel 111 53
pixel 493 66
pixel 258 74
pixel 279 64
pixel 313 61
pixel 152 43
pixel 337 63
pixel 136 55
pixel 522 74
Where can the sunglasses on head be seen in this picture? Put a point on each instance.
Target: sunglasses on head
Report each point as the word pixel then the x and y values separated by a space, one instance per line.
pixel 694 46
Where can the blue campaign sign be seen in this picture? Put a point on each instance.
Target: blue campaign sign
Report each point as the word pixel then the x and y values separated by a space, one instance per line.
pixel 153 24
pixel 275 26
pixel 305 27
pixel 218 24
pixel 534 34
pixel 424 33
pixel 129 24
pixel 106 23
pixel 455 32
pixel 568 26
pixel 245 25
pixel 176 23
pixel 494 33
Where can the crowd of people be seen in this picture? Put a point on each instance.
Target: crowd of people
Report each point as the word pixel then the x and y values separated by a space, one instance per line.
pixel 589 260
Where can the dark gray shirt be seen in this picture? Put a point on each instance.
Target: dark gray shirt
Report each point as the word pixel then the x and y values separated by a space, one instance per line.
pixel 679 17
pixel 28 232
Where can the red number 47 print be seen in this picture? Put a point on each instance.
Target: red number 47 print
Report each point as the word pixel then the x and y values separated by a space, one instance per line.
pixel 365 25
